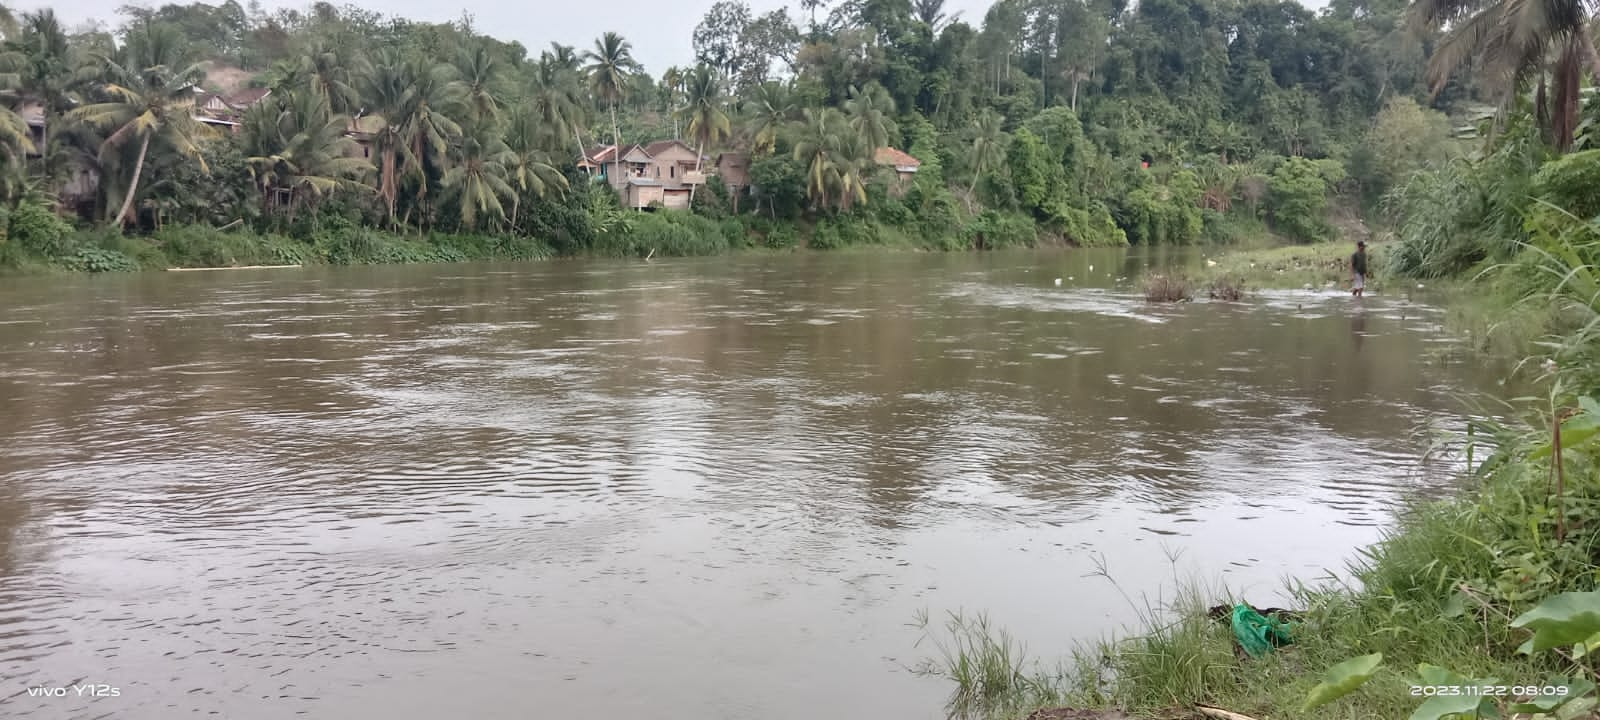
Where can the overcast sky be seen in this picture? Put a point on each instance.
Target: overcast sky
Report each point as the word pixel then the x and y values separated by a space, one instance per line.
pixel 659 29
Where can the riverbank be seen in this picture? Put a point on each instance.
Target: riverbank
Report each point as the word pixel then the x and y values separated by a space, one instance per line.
pixel 1436 598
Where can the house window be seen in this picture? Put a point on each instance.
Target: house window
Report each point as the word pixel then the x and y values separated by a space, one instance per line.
pixel 673 171
pixel 366 151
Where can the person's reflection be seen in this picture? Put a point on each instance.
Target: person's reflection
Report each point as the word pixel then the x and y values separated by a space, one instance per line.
pixel 1358 326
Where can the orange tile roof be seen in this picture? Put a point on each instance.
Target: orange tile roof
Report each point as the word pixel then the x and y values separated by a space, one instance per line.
pixel 891 156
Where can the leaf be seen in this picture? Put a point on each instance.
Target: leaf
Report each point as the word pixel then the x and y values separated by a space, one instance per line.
pixel 1547 703
pixel 1588 646
pixel 1343 679
pixel 1456 605
pixel 1576 708
pixel 1561 621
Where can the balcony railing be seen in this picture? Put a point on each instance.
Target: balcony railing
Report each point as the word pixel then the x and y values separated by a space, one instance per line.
pixel 694 178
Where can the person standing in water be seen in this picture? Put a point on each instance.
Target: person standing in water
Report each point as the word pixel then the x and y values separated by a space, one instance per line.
pixel 1358 269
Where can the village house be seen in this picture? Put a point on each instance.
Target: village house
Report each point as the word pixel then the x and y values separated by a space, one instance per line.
pixel 225 111
pixel 661 173
pixel 904 166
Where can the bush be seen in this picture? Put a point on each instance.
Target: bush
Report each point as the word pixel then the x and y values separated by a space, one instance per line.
pixel 1298 193
pixel 37 231
pixel 1167 288
pixel 96 260
pixel 992 230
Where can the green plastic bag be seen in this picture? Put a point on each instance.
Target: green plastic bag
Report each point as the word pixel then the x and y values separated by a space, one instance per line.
pixel 1257 633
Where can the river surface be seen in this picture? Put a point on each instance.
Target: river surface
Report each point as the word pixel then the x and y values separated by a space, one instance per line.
pixel 717 488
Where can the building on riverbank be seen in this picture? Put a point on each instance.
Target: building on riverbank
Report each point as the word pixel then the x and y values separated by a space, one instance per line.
pixel 661 173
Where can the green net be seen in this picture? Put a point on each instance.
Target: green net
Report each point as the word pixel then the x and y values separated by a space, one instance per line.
pixel 1257 633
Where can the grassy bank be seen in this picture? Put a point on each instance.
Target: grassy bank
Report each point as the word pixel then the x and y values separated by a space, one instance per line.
pixel 37 241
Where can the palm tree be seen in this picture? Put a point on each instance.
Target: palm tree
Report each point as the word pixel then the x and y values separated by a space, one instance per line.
pixel 708 123
pixel 327 74
pixel 833 155
pixel 294 146
pixel 871 114
pixel 672 82
pixel 554 100
pixel 8 22
pixel 610 64
pixel 931 13
pixel 565 57
pixel 43 70
pixel 152 104
pixel 408 122
pixel 1515 41
pixel 528 167
pixel 988 146
pixel 773 107
pixel 477 180
pixel 477 71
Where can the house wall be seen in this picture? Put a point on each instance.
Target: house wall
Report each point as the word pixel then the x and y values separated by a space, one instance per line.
pixel 676 199
pixel 640 196
pixel 735 171
pixel 669 165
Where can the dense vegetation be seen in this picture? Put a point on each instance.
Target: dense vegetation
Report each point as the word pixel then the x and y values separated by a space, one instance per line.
pixel 1085 121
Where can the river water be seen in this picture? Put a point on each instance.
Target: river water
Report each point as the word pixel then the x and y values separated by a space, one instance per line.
pixel 716 488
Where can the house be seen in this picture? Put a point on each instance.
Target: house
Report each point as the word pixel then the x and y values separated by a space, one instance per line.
pixel 362 128
pixel 659 173
pixel 225 111
pixel 734 169
pixel 32 113
pixel 905 166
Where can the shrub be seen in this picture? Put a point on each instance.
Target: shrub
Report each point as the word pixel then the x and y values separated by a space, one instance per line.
pixel 97 260
pixel 37 231
pixel 1161 287
pixel 1226 288
pixel 993 230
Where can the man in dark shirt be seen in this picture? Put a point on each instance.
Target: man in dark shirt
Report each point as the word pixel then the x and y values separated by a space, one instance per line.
pixel 1358 268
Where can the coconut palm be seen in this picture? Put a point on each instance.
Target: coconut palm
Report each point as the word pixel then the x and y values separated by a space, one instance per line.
pixel 477 179
pixel 708 123
pixel 554 101
pixel 931 13
pixel 477 72
pixel 1515 41
pixel 151 105
pixel 327 74
pixel 988 146
pixel 408 125
pixel 871 114
pixel 671 90
pixel 772 108
pixel 610 65
pixel 43 72
pixel 834 157
pixel 565 57
pixel 529 168
pixel 8 23
pixel 296 149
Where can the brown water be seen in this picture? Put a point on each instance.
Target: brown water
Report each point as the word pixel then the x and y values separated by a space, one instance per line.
pixel 682 489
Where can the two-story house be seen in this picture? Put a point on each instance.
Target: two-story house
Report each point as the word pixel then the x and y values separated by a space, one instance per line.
pixel 660 173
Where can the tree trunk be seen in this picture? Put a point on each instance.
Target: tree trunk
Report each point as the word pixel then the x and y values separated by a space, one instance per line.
pixel 1589 54
pixel 133 187
pixel 386 185
pixel 582 154
pixel 699 157
pixel 616 135
pixel 1075 80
